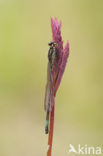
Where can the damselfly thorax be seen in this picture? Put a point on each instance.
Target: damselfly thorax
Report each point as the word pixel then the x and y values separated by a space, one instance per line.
pixel 52 53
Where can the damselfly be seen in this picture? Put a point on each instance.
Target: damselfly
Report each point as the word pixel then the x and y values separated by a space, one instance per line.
pixel 49 93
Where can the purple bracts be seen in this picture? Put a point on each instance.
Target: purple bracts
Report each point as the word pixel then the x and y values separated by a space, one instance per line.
pixel 62 53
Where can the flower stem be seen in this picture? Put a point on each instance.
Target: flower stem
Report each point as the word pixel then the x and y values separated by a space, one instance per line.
pixel 50 138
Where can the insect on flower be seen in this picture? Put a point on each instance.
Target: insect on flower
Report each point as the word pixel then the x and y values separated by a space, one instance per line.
pixel 57 59
pixel 49 94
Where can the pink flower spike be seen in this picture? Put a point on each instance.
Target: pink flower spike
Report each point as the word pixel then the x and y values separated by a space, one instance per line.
pixel 61 53
pixel 63 65
pixel 58 68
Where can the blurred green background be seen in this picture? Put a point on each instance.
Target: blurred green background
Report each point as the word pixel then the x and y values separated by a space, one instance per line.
pixel 24 35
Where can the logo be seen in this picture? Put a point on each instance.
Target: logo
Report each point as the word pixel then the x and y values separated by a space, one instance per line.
pixel 85 149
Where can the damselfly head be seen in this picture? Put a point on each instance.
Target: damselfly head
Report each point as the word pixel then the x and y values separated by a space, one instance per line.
pixel 52 44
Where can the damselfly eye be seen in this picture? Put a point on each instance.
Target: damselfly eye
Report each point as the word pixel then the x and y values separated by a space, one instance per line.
pixel 50 44
pixel 54 44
